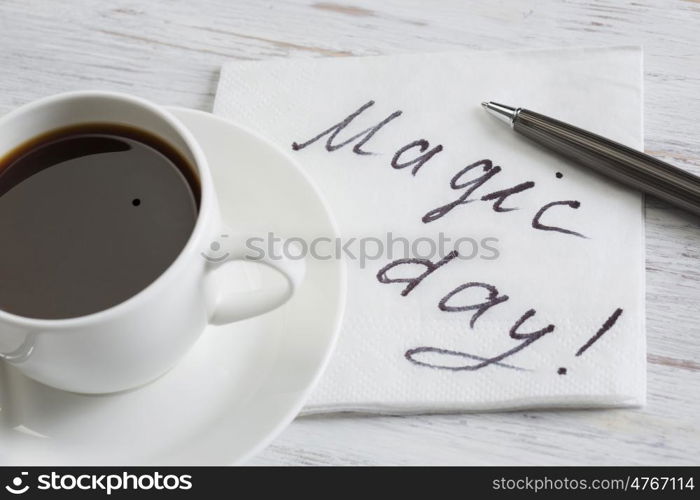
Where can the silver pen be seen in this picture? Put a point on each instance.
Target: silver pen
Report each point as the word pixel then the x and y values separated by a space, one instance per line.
pixel 610 158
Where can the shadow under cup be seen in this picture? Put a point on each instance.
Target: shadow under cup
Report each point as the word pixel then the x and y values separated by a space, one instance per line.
pixel 98 197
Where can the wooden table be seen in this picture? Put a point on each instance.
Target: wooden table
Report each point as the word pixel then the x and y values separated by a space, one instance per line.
pixel 171 51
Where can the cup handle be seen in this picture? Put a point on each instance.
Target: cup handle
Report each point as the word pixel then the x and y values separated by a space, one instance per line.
pixel 228 306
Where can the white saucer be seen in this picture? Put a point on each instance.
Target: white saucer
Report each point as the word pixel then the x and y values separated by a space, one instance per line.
pixel 241 384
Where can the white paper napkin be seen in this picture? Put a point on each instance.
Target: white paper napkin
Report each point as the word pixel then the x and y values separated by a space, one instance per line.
pixel 427 350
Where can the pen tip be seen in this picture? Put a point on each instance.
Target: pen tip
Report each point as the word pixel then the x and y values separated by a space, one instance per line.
pixel 505 113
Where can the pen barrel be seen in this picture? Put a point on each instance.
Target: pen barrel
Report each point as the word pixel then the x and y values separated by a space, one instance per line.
pixel 613 159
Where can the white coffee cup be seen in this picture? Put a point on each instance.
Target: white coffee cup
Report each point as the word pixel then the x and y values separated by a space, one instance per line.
pixel 140 339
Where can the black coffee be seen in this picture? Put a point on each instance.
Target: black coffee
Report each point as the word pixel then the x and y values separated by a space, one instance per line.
pixel 90 216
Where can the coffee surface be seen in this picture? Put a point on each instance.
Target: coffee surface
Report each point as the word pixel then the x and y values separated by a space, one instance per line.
pixel 90 216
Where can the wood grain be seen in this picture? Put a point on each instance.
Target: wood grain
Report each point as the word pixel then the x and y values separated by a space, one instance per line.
pixel 171 51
